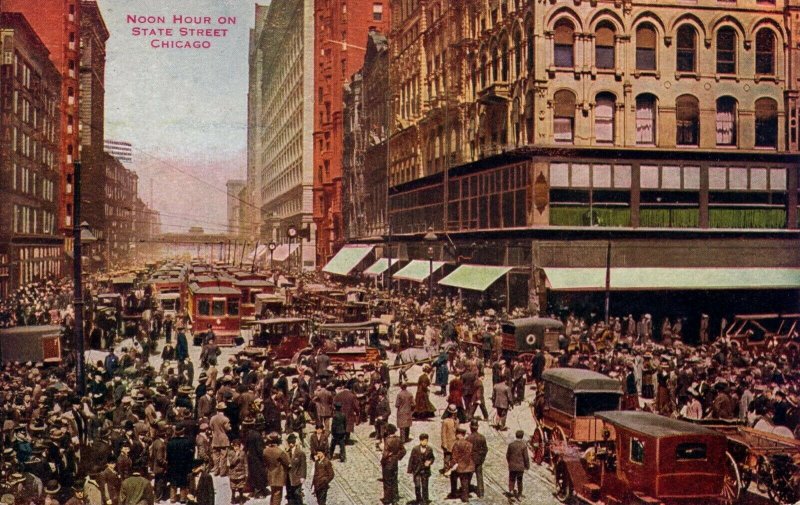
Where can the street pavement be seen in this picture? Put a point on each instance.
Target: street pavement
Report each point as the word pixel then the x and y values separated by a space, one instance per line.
pixel 356 481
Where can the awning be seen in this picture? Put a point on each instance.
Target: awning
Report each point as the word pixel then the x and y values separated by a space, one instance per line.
pixel 417 270
pixel 633 279
pixel 283 251
pixel 380 266
pixel 475 277
pixel 347 259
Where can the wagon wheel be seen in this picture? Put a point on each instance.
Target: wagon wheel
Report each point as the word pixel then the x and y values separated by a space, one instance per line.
pixel 732 482
pixel 538 446
pixel 557 438
pixel 563 484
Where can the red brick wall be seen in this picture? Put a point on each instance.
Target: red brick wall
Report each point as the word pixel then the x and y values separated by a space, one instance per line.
pixel 336 21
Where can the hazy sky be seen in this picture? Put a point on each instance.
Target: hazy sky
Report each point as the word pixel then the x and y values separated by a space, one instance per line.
pixel 183 109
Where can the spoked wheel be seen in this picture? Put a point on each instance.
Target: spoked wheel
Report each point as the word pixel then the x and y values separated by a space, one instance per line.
pixel 732 483
pixel 563 484
pixel 538 446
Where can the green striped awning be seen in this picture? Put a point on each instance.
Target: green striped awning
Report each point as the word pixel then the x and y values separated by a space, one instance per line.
pixel 475 277
pixel 347 259
pixel 380 266
pixel 417 270
pixel 633 279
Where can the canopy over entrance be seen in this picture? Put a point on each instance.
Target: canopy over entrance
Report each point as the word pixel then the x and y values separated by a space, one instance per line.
pixel 418 270
pixel 474 277
pixel 347 259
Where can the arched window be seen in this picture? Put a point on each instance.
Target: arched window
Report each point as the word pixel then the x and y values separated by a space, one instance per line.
pixel 687 49
pixel 646 119
pixel 484 70
pixel 765 52
pixel 604 118
pixel 504 62
pixel 563 116
pixel 726 121
pixel 495 64
pixel 726 51
pixel 687 120
pixel 529 42
pixel 564 40
pixel 766 122
pixel 517 54
pixel 645 47
pixel 604 46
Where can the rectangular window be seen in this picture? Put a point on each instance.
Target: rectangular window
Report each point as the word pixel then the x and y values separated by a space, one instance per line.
pixel 601 176
pixel 377 12
pixel 233 307
pixel 690 451
pixel 562 129
pixel 737 178
pixel 717 178
pixel 671 177
pixel 691 177
pixel 645 121
pixel 648 177
pixel 218 307
pixel 605 57
pixel 637 450
pixel 203 308
pixel 580 176
pixel 777 179
pixel 758 179
pixel 622 176
pixel 559 175
pixel 563 56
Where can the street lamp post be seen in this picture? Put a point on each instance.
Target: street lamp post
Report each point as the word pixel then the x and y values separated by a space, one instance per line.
pixel 430 237
pixel 272 246
pixel 291 232
pixel 430 272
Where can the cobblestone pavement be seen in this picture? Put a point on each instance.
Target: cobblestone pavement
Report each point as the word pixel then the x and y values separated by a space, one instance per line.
pixel 356 481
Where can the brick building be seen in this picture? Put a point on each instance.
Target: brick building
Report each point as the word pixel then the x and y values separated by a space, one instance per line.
pixel 340 29
pixel 364 175
pixel 57 24
pixel 537 133
pixel 93 37
pixel 30 93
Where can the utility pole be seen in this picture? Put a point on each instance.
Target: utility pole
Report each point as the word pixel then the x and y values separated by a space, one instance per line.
pixel 77 260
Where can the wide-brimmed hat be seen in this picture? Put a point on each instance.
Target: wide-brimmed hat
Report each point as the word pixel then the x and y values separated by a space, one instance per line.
pixel 53 487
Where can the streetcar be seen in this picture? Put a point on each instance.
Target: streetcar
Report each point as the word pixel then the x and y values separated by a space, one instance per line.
pixel 215 303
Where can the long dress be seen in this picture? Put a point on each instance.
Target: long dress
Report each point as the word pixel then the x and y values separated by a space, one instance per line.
pixel 256 471
pixel 423 408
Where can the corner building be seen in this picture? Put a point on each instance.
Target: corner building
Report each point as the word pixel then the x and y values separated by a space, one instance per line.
pixel 535 134
pixel 31 246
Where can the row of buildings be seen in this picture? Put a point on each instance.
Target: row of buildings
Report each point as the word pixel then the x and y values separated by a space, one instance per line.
pixel 532 135
pixel 52 99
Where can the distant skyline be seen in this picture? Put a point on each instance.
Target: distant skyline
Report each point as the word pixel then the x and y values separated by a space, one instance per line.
pixel 184 110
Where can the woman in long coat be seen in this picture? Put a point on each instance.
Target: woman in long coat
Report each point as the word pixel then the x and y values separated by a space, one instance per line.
pixel 423 408
pixel 254 450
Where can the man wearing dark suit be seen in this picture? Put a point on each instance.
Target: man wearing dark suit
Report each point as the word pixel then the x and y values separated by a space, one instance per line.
pixel 419 466
pixel 518 462
pixel 462 467
pixel 318 441
pixel 297 472
pixel 393 452
pixel 339 433
pixel 479 451
pixel 323 475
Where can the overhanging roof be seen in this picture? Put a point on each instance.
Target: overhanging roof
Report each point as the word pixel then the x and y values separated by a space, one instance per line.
pixel 633 279
pixel 418 270
pixel 380 266
pixel 474 277
pixel 347 259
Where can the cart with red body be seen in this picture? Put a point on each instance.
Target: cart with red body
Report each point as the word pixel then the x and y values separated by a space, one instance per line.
pixel 218 306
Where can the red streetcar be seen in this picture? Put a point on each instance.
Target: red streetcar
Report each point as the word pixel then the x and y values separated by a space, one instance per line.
pixel 216 303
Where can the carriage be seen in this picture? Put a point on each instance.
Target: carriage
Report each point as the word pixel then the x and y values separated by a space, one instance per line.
pixel 767 459
pixel 31 343
pixel 528 334
pixel 646 458
pixel 565 411
pixel 283 337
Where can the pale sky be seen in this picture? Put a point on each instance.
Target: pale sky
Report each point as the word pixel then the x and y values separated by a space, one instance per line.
pixel 180 108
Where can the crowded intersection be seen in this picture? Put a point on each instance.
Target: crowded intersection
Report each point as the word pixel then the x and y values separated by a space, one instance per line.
pixel 211 384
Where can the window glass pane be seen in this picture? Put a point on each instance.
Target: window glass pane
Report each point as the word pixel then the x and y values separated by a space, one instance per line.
pixel 717 178
pixel 604 57
pixel 562 129
pixel 645 48
pixel 671 177
pixel 637 450
pixel 559 175
pixel 203 308
pixel 580 175
pixel 648 175
pixel 233 307
pixel 758 179
pixel 601 176
pixel 777 179
pixel 726 51
pixel 645 120
pixel 726 121
pixel 765 52
pixel 687 39
pixel 218 308
pixel 738 178
pixel 691 177
pixel 622 176
pixel 563 56
pixel 690 451
pixel 604 119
